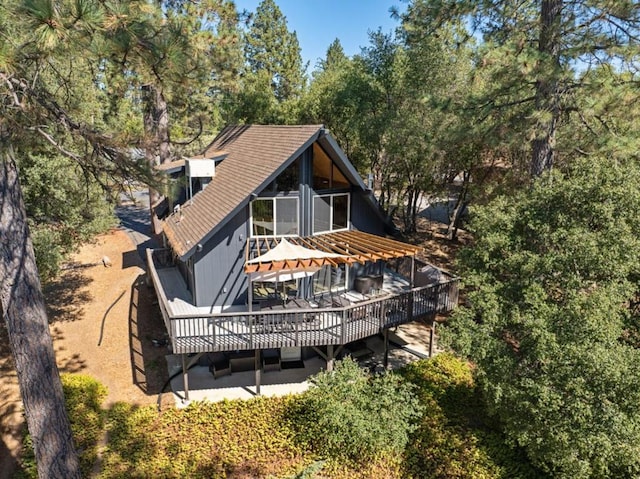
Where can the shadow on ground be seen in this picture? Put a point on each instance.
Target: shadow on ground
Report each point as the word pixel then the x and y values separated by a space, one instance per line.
pixel 65 297
pixel 148 366
pixel 75 363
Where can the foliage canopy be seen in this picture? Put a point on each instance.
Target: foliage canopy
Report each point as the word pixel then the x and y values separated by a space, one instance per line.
pixel 348 414
pixel 551 317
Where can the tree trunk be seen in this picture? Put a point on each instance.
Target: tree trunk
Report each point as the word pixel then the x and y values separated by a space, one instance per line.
pixel 461 204
pixel 547 87
pixel 410 209
pixel 23 311
pixel 156 128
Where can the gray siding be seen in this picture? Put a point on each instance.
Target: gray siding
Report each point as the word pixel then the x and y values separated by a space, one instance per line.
pixel 219 268
pixel 363 215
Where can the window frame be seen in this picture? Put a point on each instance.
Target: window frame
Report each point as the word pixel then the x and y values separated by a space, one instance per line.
pixel 274 200
pixel 331 210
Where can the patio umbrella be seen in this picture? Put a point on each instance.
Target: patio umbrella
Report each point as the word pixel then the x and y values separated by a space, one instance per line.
pixel 287 252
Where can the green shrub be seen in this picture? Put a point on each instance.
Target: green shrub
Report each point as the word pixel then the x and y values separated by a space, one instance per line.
pixel 456 438
pixel 83 398
pixel 206 440
pixel 347 414
pixel 65 207
pixel 49 249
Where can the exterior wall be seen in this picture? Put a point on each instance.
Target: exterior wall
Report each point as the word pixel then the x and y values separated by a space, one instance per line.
pixel 219 268
pixel 187 275
pixel 363 215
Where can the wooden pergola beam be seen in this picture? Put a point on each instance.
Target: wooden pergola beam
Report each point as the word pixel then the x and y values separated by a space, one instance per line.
pixel 354 246
pixel 343 249
pixel 392 247
pixel 326 249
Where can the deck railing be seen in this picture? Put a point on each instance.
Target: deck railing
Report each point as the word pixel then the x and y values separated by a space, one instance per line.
pixel 299 326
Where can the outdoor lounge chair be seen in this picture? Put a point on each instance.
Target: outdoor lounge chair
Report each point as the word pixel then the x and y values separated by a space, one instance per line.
pixel 220 365
pixel 271 360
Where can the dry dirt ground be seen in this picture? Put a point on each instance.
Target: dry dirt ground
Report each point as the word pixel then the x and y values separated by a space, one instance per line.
pixel 438 250
pixel 102 321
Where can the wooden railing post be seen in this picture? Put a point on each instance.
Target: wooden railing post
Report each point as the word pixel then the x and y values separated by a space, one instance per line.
pixel 432 337
pixel 410 306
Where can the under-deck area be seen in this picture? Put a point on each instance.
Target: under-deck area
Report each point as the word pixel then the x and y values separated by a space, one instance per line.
pixel 406 344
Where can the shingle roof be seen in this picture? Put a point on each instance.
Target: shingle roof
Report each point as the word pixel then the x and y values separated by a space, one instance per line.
pixel 255 152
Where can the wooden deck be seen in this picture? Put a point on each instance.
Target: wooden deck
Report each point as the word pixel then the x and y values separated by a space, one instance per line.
pixel 194 330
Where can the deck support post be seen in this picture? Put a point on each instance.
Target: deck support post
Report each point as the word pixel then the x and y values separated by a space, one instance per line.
pixel 386 348
pixel 258 371
pixel 432 337
pixel 413 270
pixel 330 357
pixel 185 377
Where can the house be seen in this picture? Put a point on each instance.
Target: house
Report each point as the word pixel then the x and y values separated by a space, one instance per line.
pixel 275 248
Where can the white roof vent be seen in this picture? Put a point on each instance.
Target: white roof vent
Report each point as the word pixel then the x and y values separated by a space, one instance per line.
pixel 200 168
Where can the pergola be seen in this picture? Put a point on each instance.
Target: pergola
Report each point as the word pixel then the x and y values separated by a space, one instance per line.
pixel 334 248
pixel 270 259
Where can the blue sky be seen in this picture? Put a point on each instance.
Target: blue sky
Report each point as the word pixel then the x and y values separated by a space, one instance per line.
pixel 318 22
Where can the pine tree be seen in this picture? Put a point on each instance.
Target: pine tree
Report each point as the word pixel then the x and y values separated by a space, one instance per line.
pixel 535 53
pixel 68 76
pixel 273 50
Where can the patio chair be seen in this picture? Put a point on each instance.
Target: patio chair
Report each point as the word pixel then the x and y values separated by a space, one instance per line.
pixel 271 360
pixel 339 301
pixel 220 365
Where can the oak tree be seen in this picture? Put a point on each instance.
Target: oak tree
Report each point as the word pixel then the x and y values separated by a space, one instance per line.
pixel 551 316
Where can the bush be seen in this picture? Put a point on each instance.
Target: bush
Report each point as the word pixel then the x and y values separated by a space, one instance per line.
pixel 347 414
pixel 65 207
pixel 455 437
pixel 223 439
pixel 83 399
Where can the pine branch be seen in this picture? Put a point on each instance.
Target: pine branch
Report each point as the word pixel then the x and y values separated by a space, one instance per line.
pixel 102 145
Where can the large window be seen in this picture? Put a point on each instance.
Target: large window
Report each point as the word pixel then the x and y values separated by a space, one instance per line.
pixel 326 175
pixel 330 212
pixel 330 278
pixel 276 216
pixel 288 180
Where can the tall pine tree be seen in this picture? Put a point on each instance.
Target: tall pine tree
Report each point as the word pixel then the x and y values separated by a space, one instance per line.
pixel 535 54
pixel 274 76
pixel 69 76
pixel 271 48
